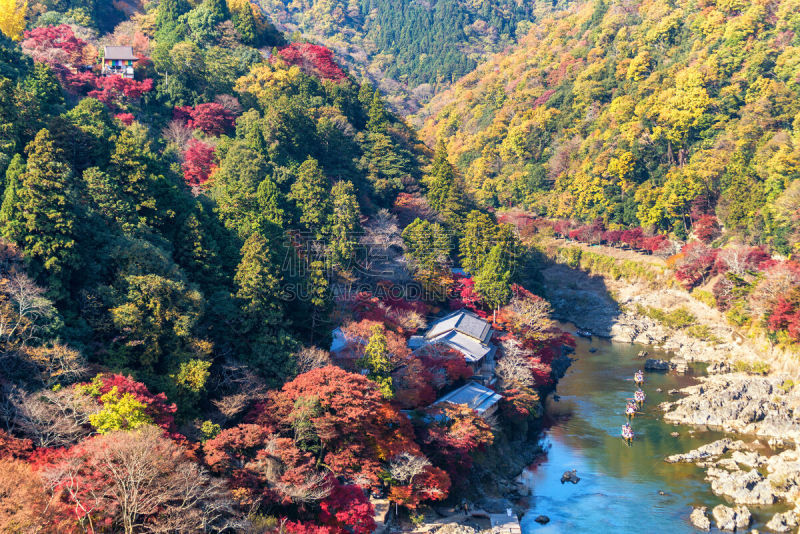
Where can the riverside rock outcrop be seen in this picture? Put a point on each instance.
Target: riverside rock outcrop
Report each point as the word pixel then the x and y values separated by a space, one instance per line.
pixel 699 519
pixel 781 483
pixel 709 451
pixel 742 487
pixel 731 519
pixel 756 405
pixel 784 522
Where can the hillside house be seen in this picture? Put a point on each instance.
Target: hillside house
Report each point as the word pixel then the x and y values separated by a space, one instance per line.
pixel 480 398
pixel 118 60
pixel 466 333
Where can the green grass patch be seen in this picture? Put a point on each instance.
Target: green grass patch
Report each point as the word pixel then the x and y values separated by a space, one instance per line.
pixel 703 333
pixel 755 368
pixel 677 318
pixel 705 297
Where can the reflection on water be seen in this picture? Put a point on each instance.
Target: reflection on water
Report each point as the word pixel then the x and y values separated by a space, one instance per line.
pixel 620 486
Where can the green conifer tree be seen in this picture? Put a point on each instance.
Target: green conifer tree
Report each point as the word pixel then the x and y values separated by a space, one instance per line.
pixel 46 211
pixel 258 280
pixel 493 281
pixel 9 219
pixel 344 225
pixel 477 239
pixel 311 195
pixel 444 190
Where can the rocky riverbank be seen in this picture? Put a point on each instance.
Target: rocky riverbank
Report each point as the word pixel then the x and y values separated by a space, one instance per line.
pixel 609 308
pixel 740 473
pixel 764 406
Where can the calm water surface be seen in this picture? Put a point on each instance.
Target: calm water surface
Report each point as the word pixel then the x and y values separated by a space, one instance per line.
pixel 619 487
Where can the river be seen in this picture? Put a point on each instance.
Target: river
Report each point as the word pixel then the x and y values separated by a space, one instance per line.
pixel 619 487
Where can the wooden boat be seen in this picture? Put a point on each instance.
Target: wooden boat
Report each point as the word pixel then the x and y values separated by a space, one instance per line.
pixel 638 378
pixel 630 411
pixel 627 433
pixel 584 333
pixel 639 397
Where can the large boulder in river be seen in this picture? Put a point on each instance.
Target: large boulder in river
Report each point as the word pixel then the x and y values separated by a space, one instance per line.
pixel 731 519
pixel 742 487
pixel 709 451
pixel 699 519
pixel 570 476
pixel 654 364
pixel 785 522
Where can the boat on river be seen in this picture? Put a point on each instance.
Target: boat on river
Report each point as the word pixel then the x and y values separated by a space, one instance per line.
pixel 638 378
pixel 630 410
pixel 627 433
pixel 639 397
pixel 584 333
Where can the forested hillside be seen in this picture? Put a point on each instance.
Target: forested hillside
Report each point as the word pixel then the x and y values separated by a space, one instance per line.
pixel 640 113
pixel 410 49
pixel 183 224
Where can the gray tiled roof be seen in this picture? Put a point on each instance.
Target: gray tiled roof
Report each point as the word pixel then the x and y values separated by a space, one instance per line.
pixel 476 396
pixel 118 52
pixel 472 349
pixel 462 321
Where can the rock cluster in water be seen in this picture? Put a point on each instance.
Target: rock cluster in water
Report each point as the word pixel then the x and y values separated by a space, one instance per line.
pixel 699 519
pixel 757 405
pixel 727 518
pixel 746 477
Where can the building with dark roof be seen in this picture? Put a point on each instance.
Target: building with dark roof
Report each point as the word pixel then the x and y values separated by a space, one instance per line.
pixel 118 60
pixel 477 397
pixel 466 333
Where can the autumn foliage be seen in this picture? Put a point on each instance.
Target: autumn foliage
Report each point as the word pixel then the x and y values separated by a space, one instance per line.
pixel 199 162
pixel 211 118
pixel 313 59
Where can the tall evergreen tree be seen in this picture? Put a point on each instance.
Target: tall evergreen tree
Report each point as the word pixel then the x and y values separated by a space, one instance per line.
pixel 269 204
pixel 258 280
pixel 311 194
pixel 493 281
pixel 169 13
pixel 219 9
pixel 47 214
pixel 378 120
pixel 8 127
pixel 477 239
pixel 245 24
pixel 9 219
pixel 384 166
pixel 344 225
pixel 444 190
pixel 319 295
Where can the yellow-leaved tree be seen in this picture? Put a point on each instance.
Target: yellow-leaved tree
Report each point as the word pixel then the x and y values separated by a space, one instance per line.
pixel 12 18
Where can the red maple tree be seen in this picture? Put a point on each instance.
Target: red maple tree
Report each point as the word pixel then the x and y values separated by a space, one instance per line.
pixel 313 59
pixel 198 162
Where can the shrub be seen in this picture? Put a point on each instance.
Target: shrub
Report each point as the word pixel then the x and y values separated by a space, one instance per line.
pixel 755 368
pixel 571 256
pixel 705 297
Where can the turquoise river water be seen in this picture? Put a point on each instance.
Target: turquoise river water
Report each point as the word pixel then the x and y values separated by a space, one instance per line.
pixel 622 489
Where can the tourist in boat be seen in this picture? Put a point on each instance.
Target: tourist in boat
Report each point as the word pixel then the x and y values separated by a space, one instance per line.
pixel 639 396
pixel 627 433
pixel 638 377
pixel 630 410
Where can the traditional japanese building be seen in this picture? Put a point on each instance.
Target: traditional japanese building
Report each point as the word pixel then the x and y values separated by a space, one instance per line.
pixel 466 333
pixel 118 60
pixel 479 398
